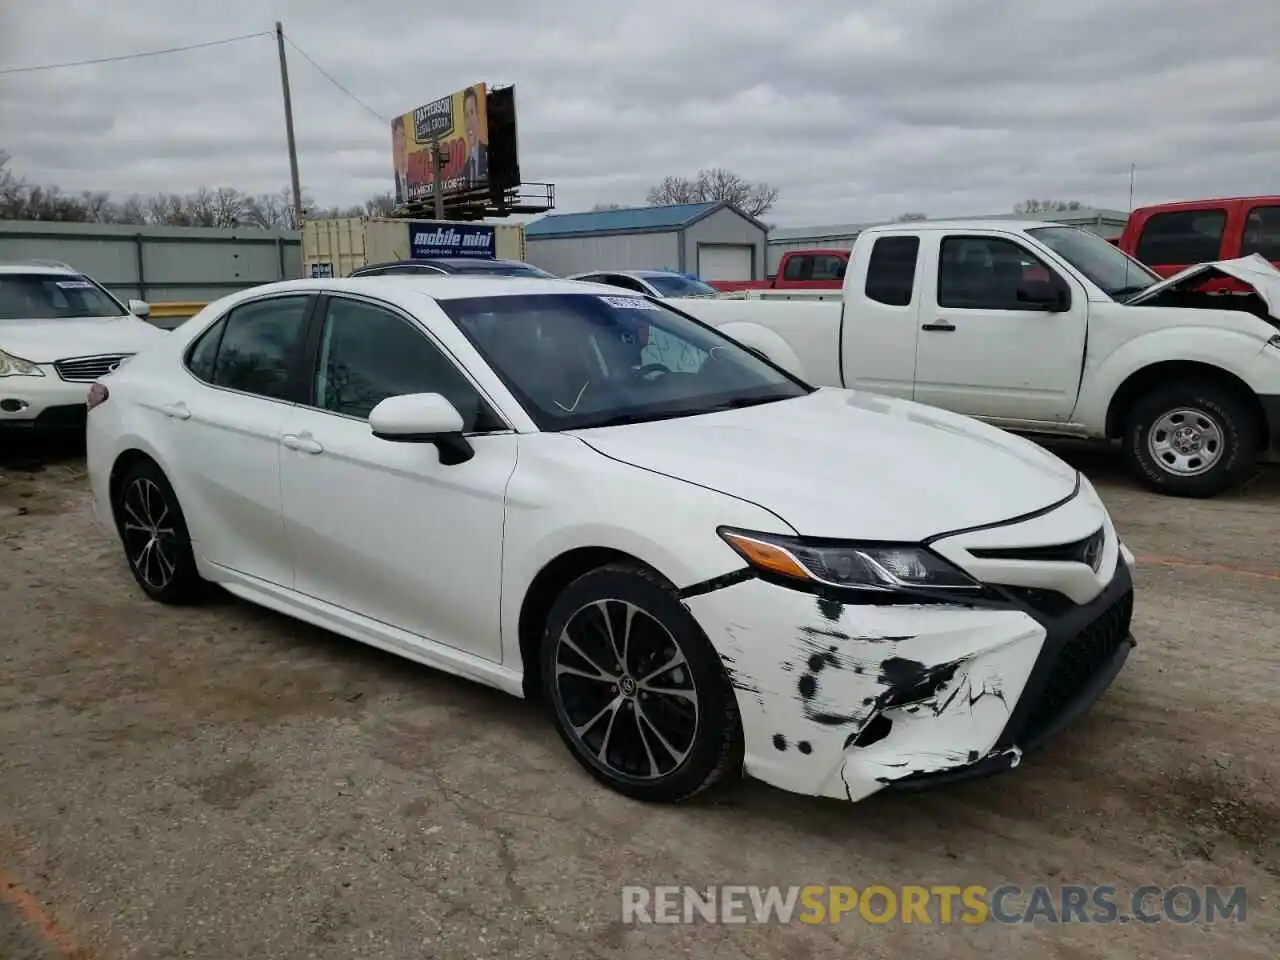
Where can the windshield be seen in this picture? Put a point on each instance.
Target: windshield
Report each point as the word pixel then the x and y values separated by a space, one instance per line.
pixel 674 285
pixel 585 360
pixel 1119 275
pixel 54 296
pixel 490 268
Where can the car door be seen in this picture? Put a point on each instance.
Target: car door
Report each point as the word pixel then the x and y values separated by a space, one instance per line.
pixel 982 348
pixel 383 528
pixel 879 337
pixel 223 433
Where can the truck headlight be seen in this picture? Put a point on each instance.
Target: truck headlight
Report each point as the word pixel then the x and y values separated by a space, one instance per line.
pixel 11 366
pixel 871 567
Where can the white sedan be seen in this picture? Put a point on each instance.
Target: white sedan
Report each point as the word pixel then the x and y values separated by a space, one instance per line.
pixel 59 332
pixel 700 563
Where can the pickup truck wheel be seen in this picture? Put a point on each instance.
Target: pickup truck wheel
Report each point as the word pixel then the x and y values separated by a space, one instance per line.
pixel 1191 440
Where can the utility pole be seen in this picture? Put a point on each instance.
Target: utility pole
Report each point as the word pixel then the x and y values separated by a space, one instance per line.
pixel 288 127
pixel 437 178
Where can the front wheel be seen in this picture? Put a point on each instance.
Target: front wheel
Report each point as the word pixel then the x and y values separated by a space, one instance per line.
pixel 637 691
pixel 1192 440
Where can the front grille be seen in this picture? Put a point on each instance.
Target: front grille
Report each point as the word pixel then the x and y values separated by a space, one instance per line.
pixel 1087 551
pixel 1081 658
pixel 88 369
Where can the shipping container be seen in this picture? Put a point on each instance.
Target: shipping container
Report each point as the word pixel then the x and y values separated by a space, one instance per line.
pixel 335 247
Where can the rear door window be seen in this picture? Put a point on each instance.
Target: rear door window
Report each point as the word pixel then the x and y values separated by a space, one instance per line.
pixel 891 270
pixel 1182 237
pixel 255 348
pixel 1262 232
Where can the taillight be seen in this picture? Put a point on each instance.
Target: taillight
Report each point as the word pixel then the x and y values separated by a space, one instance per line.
pixel 97 395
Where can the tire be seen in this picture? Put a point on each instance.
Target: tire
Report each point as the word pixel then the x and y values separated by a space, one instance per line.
pixel 1211 416
pixel 653 746
pixel 144 502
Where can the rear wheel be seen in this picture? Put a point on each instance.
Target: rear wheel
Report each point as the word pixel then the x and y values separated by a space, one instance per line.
pixel 1191 440
pixel 637 691
pixel 155 538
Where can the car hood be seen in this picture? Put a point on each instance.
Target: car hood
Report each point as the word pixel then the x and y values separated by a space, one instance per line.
pixel 44 341
pixel 849 464
pixel 1255 270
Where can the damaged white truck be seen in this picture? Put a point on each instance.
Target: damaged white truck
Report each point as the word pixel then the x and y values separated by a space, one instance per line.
pixel 1045 329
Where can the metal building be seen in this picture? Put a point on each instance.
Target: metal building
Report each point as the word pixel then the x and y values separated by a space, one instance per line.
pixel 715 241
pixel 1106 223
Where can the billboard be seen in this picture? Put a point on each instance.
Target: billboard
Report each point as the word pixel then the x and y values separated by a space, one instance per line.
pixel 460 122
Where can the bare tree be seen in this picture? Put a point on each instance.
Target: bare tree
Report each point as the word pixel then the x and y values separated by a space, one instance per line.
pixel 910 217
pixel 1029 207
pixel 601 207
pixel 205 207
pixel 715 183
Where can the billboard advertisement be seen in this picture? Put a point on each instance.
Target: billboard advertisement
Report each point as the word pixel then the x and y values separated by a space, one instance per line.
pixel 460 123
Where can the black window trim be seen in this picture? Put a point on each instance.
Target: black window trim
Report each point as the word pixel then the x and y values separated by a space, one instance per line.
pixel 1055 273
pixel 296 369
pixel 311 357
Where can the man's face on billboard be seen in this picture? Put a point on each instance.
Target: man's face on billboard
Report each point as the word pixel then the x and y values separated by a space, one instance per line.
pixel 470 112
pixel 397 142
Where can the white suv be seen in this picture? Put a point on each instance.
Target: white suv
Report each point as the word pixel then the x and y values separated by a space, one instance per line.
pixel 59 332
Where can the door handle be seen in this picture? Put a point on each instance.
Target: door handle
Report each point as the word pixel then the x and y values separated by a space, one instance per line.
pixel 942 326
pixel 304 444
pixel 176 411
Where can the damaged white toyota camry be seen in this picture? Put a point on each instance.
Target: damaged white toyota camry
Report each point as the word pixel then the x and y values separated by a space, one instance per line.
pixel 700 563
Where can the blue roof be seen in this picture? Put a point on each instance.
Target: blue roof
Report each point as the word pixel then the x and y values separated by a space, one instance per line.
pixel 617 221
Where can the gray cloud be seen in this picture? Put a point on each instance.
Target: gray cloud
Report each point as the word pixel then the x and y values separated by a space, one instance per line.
pixel 854 111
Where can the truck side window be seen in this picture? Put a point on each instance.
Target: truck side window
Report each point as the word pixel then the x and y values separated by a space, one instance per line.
pixel 986 273
pixel 827 267
pixel 798 269
pixel 891 270
pixel 1262 233
pixel 1182 237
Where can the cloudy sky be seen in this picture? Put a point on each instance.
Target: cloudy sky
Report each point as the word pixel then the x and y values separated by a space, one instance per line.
pixel 855 111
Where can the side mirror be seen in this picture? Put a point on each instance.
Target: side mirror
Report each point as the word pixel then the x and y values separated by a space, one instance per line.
pixel 1044 295
pixel 140 309
pixel 422 418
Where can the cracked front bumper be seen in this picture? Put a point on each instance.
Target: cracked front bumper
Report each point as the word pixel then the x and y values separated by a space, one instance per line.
pixel 844 701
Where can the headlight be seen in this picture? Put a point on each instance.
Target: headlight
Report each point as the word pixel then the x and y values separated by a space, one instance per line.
pixel 11 366
pixel 873 567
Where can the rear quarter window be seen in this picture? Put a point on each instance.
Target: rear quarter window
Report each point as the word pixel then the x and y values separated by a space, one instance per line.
pixel 1182 237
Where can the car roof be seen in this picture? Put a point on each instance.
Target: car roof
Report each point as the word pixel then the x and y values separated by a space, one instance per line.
pixel 406 287
pixel 43 267
pixel 444 262
pixel 973 223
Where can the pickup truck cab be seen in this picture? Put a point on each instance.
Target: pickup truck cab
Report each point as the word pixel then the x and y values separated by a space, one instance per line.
pixel 1044 329
pixel 1170 237
pixel 798 270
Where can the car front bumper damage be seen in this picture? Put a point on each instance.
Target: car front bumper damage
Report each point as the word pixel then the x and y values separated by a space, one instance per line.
pixel 845 700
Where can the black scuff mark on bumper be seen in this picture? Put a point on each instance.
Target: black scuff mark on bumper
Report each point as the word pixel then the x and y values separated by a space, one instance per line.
pixel 716 583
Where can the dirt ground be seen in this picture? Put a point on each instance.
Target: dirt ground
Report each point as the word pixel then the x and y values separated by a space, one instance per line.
pixel 223 782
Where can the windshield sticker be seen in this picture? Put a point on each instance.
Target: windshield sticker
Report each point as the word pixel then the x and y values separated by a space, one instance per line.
pixel 629 303
pixel 74 285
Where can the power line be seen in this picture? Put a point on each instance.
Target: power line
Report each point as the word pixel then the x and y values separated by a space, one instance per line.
pixel 328 76
pixel 133 56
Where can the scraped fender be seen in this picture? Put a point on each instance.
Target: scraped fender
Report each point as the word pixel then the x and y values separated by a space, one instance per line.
pixel 755 336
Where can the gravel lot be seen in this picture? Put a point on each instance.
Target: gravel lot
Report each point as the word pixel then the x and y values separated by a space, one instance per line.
pixel 224 782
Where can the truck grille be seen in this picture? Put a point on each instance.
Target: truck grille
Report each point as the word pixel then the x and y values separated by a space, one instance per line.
pixel 1079 661
pixel 88 369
